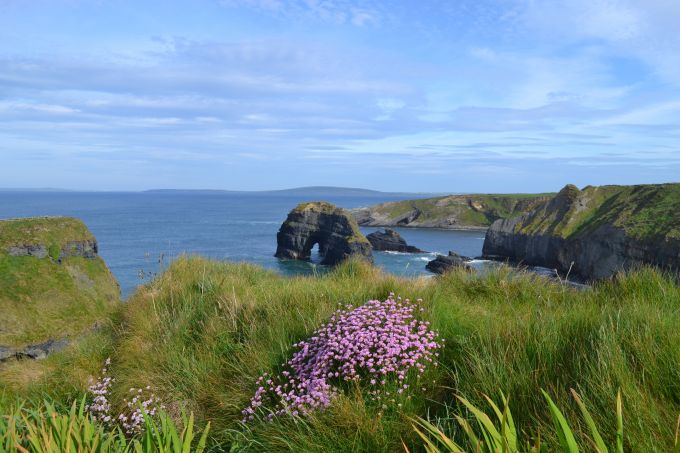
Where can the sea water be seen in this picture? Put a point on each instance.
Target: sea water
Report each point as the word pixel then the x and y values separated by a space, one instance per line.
pixel 141 233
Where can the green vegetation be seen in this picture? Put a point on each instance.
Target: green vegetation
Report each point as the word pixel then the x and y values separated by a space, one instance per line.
pixel 43 298
pixel 650 211
pixel 48 231
pixel 502 437
pixel 204 331
pixel 60 430
pixel 451 211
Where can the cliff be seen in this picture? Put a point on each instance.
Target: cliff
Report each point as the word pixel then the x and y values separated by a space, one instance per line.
pixel 332 228
pixel 53 285
pixel 601 230
pixel 451 212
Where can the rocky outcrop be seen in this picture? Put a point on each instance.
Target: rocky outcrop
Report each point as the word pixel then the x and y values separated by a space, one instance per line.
pixel 333 229
pixel 36 351
pixel 37 250
pixel 85 249
pixel 390 240
pixel 595 232
pixel 449 212
pixel 443 263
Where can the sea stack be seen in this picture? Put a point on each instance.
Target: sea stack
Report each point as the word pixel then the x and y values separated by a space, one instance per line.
pixel 443 263
pixel 391 241
pixel 332 228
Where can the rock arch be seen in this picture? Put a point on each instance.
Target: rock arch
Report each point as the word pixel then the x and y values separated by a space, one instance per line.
pixel 332 228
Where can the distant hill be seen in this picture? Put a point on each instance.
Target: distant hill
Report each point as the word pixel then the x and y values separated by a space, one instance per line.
pixel 313 191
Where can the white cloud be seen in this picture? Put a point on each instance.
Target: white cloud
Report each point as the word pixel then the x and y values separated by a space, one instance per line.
pixel 645 30
pixel 357 13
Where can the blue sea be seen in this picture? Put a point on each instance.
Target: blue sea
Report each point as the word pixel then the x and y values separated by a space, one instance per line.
pixel 140 233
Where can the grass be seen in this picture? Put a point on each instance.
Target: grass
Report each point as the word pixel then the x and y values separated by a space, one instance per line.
pixel 42 230
pixel 48 429
pixel 468 210
pixel 203 332
pixel 502 436
pixel 43 298
pixel 647 211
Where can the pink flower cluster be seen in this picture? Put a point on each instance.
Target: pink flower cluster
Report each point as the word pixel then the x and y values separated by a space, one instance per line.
pixel 132 420
pixel 100 409
pixel 375 344
pixel 142 403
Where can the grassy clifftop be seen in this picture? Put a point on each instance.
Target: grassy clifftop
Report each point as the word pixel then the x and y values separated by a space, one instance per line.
pixel 50 231
pixel 52 283
pixel 650 211
pixel 453 211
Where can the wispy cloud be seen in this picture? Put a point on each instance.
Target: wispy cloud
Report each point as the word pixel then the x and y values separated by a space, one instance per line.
pixel 525 96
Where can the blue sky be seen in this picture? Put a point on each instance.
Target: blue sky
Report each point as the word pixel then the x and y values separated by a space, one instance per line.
pixel 444 96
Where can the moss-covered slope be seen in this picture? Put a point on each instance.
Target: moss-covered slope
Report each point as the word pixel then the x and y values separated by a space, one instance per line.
pixel 599 229
pixel 53 285
pixel 453 211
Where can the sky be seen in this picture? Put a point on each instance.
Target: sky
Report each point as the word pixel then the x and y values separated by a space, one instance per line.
pixel 421 96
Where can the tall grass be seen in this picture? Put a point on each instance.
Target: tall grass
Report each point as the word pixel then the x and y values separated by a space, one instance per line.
pixel 203 332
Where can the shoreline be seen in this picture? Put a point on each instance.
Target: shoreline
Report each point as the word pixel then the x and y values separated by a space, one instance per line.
pixel 424 227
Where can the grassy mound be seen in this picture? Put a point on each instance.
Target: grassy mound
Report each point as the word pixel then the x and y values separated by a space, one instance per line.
pixel 54 296
pixel 50 295
pixel 203 332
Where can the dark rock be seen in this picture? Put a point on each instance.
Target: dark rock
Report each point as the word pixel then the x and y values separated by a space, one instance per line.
pixel 390 240
pixel 443 263
pixel 410 217
pixel 37 351
pixel 333 229
pixel 37 250
pixel 85 249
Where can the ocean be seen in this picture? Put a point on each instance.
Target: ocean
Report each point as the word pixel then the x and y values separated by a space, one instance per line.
pixel 141 233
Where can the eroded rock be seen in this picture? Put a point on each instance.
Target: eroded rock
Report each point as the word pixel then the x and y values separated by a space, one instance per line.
pixel 443 263
pixel 332 228
pixel 390 240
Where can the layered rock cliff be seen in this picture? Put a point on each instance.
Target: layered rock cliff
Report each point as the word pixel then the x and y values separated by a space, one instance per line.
pixel 333 229
pixel 595 232
pixel 450 212
pixel 53 285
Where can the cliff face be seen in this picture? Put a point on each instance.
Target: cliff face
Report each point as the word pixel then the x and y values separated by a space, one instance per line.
pixel 53 285
pixel 333 229
pixel 601 230
pixel 452 212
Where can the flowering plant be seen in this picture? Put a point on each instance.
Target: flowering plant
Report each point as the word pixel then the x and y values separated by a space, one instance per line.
pixel 373 344
pixel 142 402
